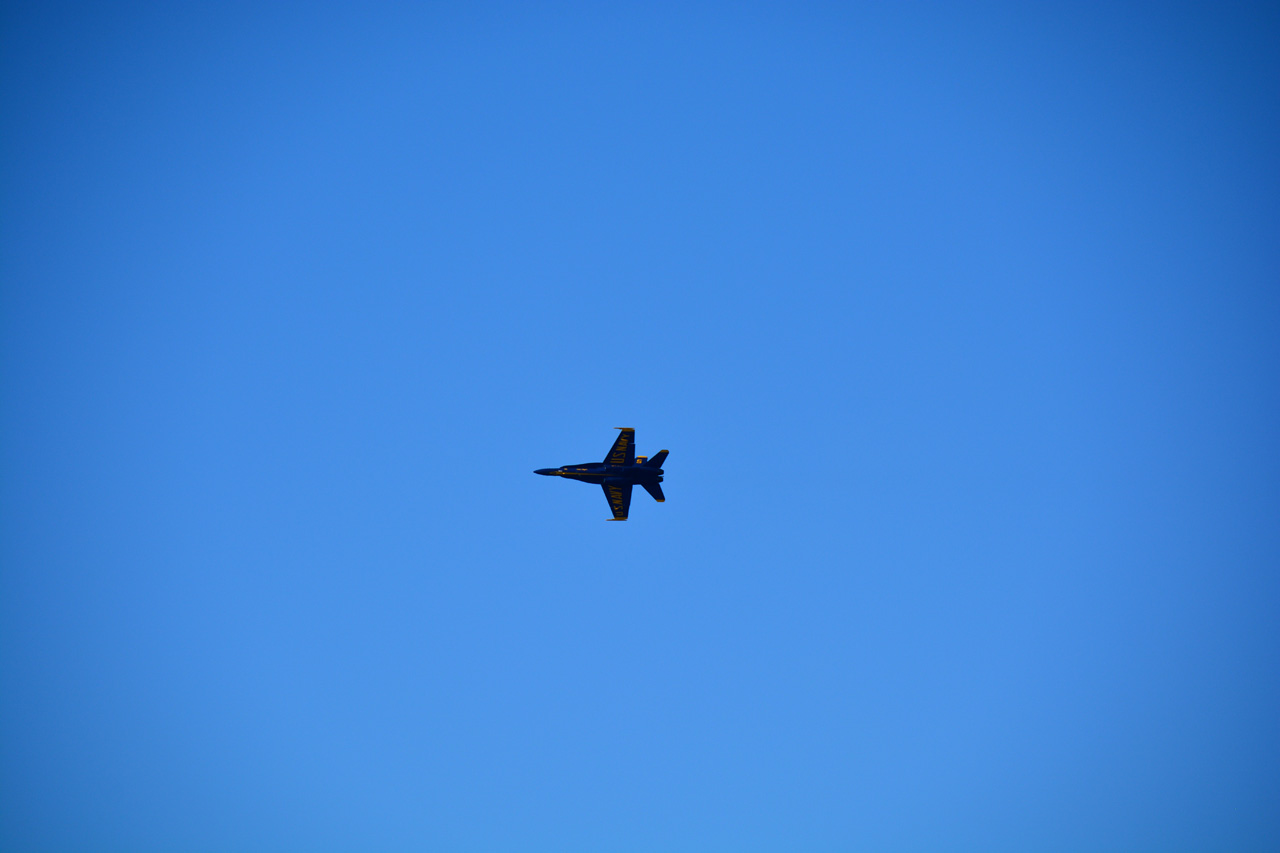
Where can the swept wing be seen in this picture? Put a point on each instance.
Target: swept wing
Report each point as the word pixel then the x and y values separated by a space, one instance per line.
pixel 623 451
pixel 619 498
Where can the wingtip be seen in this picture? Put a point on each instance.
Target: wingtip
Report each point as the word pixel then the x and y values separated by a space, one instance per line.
pixel 633 429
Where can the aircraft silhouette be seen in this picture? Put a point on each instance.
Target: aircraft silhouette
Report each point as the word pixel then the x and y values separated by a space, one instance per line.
pixel 620 470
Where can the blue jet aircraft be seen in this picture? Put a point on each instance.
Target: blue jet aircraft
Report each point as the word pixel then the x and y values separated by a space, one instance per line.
pixel 619 471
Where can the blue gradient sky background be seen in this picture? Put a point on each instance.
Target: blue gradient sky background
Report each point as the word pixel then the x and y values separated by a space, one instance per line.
pixel 961 322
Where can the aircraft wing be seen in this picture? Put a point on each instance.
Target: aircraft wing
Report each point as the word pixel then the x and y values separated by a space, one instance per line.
pixel 619 498
pixel 623 451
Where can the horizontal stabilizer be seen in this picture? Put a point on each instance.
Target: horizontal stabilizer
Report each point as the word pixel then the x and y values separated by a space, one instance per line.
pixel 655 490
pixel 657 460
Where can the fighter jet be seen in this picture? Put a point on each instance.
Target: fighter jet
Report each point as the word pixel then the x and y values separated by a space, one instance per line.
pixel 620 470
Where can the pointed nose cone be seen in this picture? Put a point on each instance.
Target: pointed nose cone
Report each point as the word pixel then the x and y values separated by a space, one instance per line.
pixel 547 472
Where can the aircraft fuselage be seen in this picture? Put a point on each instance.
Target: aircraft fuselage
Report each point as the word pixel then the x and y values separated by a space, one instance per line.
pixel 594 472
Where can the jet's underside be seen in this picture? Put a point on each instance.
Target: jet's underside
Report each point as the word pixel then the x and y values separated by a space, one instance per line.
pixel 620 471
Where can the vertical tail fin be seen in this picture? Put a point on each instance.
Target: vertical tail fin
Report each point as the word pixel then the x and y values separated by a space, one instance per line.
pixel 657 460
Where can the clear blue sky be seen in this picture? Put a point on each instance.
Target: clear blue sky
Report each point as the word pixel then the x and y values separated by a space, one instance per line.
pixel 961 323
